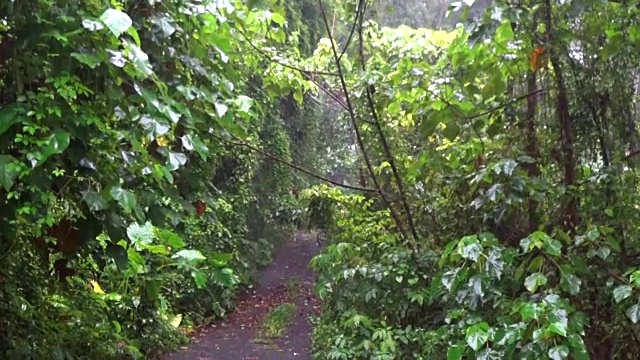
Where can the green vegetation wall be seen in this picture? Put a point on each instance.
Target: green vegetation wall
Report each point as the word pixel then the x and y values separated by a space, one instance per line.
pixel 129 197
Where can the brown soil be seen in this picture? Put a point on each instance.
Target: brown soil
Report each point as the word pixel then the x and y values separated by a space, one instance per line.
pixel 288 279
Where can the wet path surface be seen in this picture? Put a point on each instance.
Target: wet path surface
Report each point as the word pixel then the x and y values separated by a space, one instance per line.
pixel 288 279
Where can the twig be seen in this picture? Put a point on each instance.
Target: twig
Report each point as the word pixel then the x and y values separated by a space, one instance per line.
pixel 270 58
pixel 354 122
pixel 370 90
pixel 308 172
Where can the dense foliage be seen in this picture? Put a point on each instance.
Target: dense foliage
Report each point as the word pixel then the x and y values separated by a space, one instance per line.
pixel 480 193
pixel 132 203
pixel 501 217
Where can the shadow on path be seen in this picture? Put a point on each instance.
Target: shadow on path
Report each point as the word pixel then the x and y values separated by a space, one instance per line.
pixel 288 279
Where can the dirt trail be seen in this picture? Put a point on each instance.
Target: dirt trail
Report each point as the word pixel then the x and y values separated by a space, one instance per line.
pixel 288 279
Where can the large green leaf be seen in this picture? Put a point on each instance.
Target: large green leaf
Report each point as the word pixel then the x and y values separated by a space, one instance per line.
pixel 8 171
pixel 58 143
pixel 8 116
pixel 125 198
pixel 117 21
pixel 189 256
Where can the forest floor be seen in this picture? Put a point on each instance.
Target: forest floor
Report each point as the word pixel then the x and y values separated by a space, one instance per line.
pixel 271 321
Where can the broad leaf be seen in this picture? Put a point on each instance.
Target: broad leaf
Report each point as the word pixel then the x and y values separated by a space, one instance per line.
pixel 533 281
pixel 8 172
pixel 117 21
pixel 125 198
pixel 622 292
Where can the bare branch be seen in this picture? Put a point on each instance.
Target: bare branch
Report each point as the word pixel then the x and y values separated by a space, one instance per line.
pixel 296 167
pixel 354 122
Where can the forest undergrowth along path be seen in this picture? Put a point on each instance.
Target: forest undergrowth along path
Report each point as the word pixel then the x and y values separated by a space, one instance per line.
pixel 271 321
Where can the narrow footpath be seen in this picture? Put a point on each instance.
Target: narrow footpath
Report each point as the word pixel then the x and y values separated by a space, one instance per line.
pixel 248 332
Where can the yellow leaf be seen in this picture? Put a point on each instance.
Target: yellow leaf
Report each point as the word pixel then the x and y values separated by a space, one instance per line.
pixel 175 320
pixel 96 287
pixel 162 141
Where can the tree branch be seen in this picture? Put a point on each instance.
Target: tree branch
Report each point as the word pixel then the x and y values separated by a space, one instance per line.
pixel 370 90
pixel 296 167
pixel 354 122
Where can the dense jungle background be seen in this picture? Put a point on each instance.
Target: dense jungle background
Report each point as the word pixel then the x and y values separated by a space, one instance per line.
pixel 472 165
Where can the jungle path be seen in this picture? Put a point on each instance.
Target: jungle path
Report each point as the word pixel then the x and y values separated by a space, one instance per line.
pixel 241 335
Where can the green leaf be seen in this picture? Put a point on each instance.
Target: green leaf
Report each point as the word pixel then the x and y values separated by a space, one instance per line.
pixel 224 277
pixel 125 198
pixel 455 352
pixel 559 352
pixel 622 292
pixel 139 59
pixel 95 201
pixel 92 25
pixel 603 252
pixel 504 32
pixel 477 335
pixel 472 252
pixel 117 21
pixel 451 131
pixel 8 171
pixel 221 109
pixel 633 313
pixel 533 281
pixel 58 143
pixel 91 60
pixel 141 234
pixel 170 238
pixel 571 283
pixel 530 311
pixel 558 328
pixel 189 255
pixel 200 279
pixel 9 116
pixel 176 160
pixel 552 246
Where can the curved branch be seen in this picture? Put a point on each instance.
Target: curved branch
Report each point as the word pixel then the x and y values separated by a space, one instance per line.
pixel 296 167
pixel 370 90
pixel 354 123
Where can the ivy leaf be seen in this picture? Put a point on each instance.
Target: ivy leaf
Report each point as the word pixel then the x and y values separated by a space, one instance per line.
pixel 95 201
pixel 622 292
pixel 559 352
pixel 472 252
pixel 633 313
pixel 571 283
pixel 8 171
pixel 533 281
pixel 552 246
pixel 125 198
pixel 117 21
pixel 558 328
